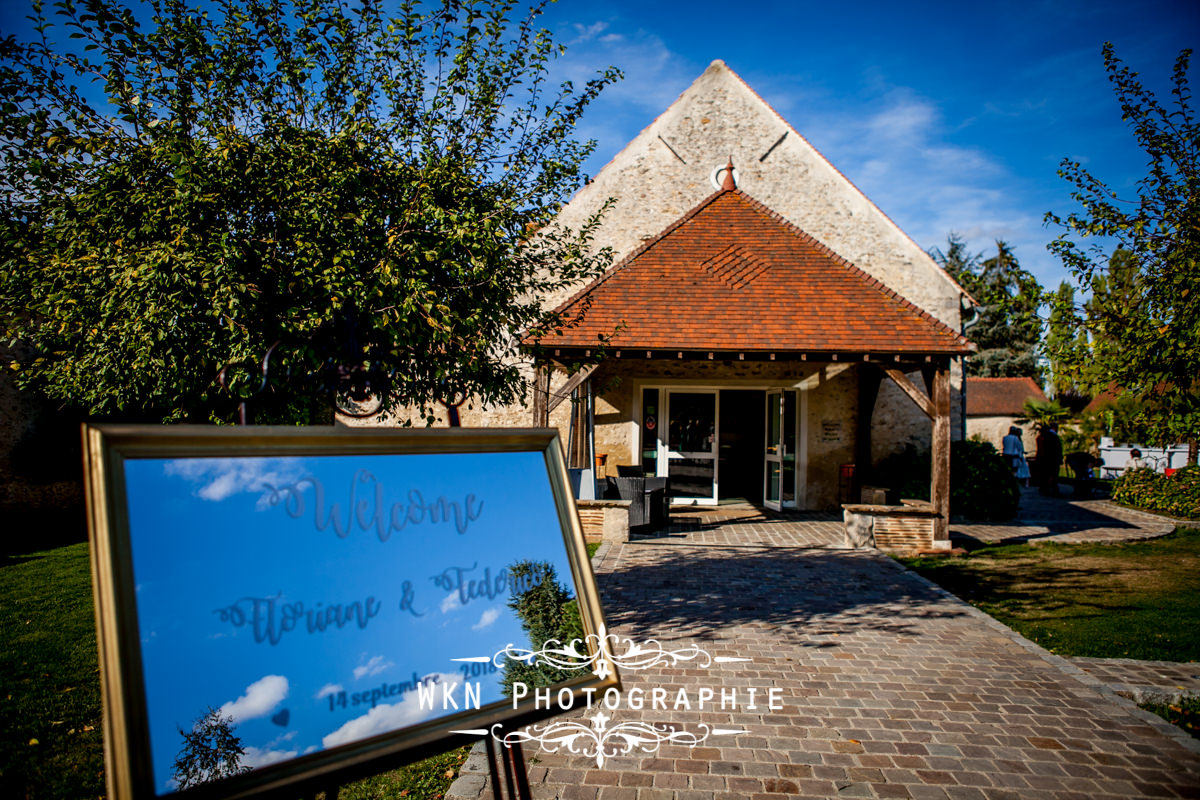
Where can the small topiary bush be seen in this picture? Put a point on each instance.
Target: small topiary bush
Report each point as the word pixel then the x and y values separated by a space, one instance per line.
pixel 981 484
pixel 1177 494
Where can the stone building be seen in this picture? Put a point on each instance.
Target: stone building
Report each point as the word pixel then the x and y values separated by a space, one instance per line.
pixel 765 327
pixel 994 404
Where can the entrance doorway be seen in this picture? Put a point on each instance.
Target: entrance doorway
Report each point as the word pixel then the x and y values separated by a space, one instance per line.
pixel 741 444
pixel 718 444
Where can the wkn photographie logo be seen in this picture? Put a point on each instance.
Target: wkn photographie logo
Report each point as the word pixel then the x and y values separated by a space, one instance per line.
pixel 600 737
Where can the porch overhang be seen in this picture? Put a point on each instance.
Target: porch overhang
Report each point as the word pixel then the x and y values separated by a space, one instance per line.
pixel 575 355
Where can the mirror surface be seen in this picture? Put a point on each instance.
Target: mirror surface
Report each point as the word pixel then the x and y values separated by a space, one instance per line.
pixel 316 601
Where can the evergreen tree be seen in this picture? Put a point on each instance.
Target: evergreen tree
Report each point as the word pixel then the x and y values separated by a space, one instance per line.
pixel 1065 345
pixel 1008 329
pixel 549 615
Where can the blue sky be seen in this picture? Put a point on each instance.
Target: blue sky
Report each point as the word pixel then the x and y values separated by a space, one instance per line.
pixel 949 116
pixel 210 547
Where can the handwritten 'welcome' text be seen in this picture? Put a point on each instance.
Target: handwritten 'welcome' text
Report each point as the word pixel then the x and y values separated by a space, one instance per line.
pixel 365 506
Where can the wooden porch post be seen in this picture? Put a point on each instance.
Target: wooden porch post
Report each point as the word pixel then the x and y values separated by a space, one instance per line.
pixel 541 396
pixel 869 378
pixel 937 407
pixel 940 490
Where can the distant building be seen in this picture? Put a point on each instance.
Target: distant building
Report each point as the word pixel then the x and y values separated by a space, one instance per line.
pixel 994 404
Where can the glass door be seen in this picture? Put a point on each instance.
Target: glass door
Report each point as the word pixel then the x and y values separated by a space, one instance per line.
pixel 691 444
pixel 773 451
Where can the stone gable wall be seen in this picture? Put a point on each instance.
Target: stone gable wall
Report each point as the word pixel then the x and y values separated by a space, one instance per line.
pixel 666 171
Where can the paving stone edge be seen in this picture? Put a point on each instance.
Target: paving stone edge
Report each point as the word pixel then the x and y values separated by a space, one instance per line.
pixel 1153 515
pixel 1127 705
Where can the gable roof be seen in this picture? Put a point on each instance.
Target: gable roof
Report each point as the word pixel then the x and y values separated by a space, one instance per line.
pixel 669 168
pixel 732 275
pixel 1000 397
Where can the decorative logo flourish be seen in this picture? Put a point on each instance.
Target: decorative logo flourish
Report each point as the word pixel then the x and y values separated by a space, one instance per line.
pixel 602 656
pixel 602 742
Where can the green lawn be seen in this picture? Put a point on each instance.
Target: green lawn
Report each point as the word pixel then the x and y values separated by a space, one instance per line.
pixel 50 742
pixel 1131 600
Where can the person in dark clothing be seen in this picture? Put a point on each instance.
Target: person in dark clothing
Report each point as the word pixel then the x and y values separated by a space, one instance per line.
pixel 1049 459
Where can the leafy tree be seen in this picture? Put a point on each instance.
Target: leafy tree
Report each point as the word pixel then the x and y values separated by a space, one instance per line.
pixel 1144 316
pixel 1008 329
pixel 192 183
pixel 210 751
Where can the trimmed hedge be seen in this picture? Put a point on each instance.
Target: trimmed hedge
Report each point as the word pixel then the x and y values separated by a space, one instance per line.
pixel 1177 494
pixel 981 484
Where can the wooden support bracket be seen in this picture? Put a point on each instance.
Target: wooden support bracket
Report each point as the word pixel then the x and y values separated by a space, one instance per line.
pixel 565 390
pixel 923 401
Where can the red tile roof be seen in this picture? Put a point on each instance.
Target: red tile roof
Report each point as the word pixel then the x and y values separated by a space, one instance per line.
pixel 732 275
pixel 1000 397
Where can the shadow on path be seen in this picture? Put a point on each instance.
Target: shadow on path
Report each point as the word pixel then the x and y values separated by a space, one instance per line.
pixel 707 592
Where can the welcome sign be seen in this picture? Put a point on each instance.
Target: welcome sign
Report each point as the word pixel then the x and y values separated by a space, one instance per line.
pixel 282 608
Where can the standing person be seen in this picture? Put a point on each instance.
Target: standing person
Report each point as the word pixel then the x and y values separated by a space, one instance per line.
pixel 1049 459
pixel 1014 455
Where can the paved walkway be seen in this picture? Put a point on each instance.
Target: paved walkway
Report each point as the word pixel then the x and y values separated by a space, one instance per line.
pixel 1144 681
pixel 889 686
pixel 1040 519
pixel 1067 519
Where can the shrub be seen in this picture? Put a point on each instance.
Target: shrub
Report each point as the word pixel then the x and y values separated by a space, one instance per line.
pixel 1177 494
pixel 981 484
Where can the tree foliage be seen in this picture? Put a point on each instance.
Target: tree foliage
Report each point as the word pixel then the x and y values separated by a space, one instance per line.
pixel 189 183
pixel 1043 413
pixel 1008 330
pixel 210 751
pixel 1065 345
pixel 550 616
pixel 1143 317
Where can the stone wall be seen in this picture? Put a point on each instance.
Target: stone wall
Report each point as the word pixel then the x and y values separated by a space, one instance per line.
pixel 994 429
pixel 40 454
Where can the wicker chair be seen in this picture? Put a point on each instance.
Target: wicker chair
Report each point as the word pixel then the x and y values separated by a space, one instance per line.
pixel 648 500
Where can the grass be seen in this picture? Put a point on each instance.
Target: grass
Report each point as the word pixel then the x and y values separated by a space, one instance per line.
pixel 424 780
pixel 51 743
pixel 1186 714
pixel 592 547
pixel 1131 600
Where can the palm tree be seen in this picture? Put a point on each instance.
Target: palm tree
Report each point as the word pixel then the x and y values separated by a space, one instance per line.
pixel 1044 413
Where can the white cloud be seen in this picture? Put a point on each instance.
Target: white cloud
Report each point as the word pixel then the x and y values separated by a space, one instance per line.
pixel 451 603
pixel 391 716
pixel 328 689
pixel 376 665
pixel 488 617
pixel 255 757
pixel 905 156
pixel 585 32
pixel 260 699
pixel 216 479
